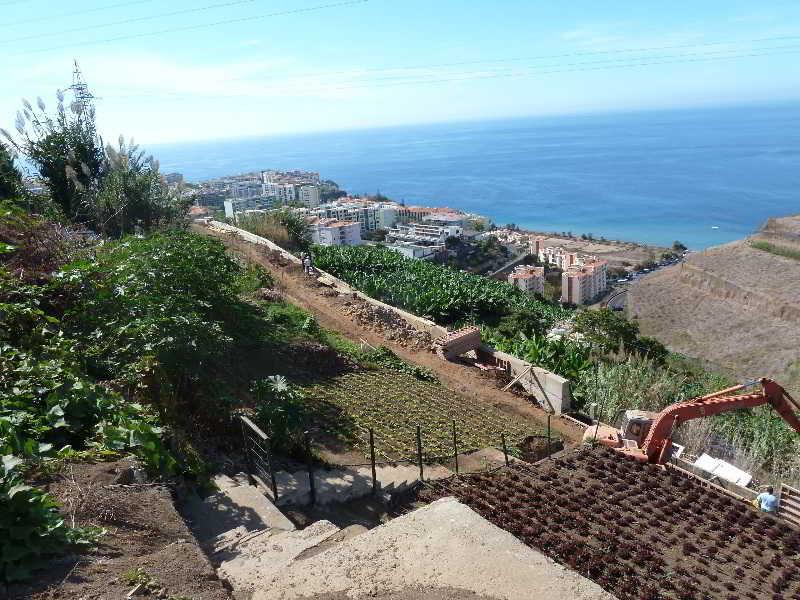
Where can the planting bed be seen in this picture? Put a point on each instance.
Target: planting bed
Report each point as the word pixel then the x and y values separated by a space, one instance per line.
pixel 394 403
pixel 641 532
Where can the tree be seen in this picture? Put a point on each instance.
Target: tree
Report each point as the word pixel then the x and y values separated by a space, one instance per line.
pixel 134 195
pixel 10 177
pixel 606 330
pixel 67 152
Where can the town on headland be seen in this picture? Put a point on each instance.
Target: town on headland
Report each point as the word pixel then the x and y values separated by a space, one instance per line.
pixel 559 266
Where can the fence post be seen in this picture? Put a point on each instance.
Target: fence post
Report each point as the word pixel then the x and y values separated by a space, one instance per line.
pixel 272 479
pixel 419 454
pixel 312 491
pixel 372 461
pixel 455 446
pixel 505 448
pixel 548 435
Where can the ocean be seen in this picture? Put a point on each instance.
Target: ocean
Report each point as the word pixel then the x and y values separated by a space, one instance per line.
pixel 701 176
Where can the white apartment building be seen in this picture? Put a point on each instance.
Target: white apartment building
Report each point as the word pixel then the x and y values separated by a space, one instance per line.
pixel 244 189
pixel 559 257
pixel 412 250
pixel 580 284
pixel 528 278
pixel 286 193
pixel 370 215
pixel 333 232
pixel 426 235
pixel 449 219
pixel 309 196
pixel 239 205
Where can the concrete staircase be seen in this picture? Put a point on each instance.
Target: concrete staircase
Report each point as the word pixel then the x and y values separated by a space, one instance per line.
pixel 249 540
pixel 349 483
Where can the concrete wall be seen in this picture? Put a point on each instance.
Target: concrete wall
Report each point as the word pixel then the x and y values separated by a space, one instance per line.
pixel 549 389
pixel 254 239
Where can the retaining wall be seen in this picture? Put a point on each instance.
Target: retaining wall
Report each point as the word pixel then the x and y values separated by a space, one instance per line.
pixel 549 389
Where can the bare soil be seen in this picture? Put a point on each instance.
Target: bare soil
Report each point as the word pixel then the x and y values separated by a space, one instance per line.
pixel 330 311
pixel 642 532
pixel 143 532
pixel 735 306
pixel 617 253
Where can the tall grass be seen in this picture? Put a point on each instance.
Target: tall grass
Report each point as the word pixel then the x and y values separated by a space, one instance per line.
pixel 267 226
pixel 757 440
pixel 775 249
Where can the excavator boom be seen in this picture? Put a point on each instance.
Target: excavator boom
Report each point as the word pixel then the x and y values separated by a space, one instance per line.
pixel 658 443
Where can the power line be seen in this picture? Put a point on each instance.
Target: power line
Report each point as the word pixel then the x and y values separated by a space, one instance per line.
pixel 530 58
pixel 533 72
pixel 74 13
pixel 195 27
pixel 128 21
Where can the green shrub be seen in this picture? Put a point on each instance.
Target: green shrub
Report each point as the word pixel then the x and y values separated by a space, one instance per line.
pixel 31 526
pixel 280 411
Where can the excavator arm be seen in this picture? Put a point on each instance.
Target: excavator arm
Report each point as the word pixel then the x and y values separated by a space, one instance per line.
pixel 656 447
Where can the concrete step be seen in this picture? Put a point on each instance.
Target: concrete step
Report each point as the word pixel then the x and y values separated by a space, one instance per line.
pixel 236 508
pixel 262 556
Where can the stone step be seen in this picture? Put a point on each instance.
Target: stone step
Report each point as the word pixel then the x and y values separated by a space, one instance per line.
pixel 262 556
pixel 243 508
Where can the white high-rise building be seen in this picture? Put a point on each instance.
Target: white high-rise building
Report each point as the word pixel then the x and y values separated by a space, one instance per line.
pixel 333 232
pixel 309 196
pixel 580 284
pixel 528 278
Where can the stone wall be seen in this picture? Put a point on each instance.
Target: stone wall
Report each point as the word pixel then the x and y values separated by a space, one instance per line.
pixel 549 389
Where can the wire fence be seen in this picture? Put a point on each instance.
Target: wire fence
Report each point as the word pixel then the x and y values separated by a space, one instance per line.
pixel 260 461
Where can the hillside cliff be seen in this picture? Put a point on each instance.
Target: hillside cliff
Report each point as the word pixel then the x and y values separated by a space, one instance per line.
pixel 736 306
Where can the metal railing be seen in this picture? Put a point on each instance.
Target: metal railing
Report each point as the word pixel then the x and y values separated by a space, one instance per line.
pixel 259 459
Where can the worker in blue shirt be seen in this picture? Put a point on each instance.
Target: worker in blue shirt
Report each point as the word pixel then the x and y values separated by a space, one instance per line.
pixel 767 501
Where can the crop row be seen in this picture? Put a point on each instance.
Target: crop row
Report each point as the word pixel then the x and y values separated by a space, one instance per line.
pixel 440 293
pixel 663 529
pixel 393 404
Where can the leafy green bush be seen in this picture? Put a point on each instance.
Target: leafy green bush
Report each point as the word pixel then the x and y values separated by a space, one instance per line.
pixel 154 312
pixel 31 526
pixel 281 411
pixel 562 356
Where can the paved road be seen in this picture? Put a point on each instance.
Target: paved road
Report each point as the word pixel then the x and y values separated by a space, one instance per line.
pixel 618 299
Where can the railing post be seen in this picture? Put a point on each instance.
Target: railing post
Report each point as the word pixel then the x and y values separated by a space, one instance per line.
pixel 312 490
pixel 372 461
pixel 419 454
pixel 505 448
pixel 455 446
pixel 548 435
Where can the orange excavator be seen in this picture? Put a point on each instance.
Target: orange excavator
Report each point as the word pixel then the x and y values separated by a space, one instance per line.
pixel 647 437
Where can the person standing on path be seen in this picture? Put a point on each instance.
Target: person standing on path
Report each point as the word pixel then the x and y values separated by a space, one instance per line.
pixel 766 501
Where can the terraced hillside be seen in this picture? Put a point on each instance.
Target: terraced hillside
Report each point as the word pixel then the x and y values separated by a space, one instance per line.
pixel 737 306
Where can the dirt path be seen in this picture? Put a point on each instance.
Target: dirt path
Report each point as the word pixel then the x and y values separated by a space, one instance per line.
pixel 469 382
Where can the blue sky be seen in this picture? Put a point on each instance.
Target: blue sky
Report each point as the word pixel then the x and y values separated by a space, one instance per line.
pixel 390 62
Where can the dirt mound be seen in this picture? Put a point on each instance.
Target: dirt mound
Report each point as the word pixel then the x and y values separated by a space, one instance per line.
pixel 735 307
pixel 387 322
pixel 146 541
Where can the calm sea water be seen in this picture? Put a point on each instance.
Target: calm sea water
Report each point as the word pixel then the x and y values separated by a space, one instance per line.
pixel 700 176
